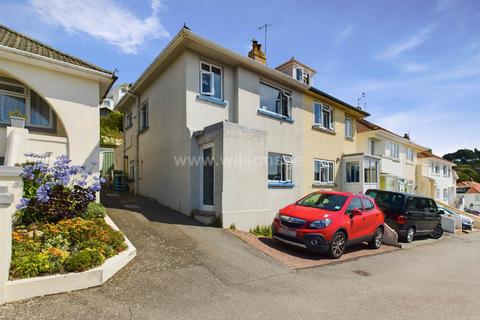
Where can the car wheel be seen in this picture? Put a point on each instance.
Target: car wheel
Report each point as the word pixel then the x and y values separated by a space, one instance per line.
pixel 438 232
pixel 410 234
pixel 338 245
pixel 377 239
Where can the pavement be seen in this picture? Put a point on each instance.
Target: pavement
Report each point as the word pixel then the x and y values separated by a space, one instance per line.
pixel 298 258
pixel 187 271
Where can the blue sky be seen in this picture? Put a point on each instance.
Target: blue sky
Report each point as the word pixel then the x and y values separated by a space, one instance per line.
pixel 417 61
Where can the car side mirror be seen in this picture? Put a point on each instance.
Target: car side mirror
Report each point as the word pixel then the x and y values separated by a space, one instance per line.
pixel 356 212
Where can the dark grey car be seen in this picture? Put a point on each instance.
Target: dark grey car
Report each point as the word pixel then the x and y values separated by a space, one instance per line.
pixel 409 215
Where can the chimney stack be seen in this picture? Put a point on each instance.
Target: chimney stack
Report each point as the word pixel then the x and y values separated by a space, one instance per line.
pixel 256 53
pixel 406 136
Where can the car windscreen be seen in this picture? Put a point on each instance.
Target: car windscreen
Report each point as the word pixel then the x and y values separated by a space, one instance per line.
pixel 325 201
pixel 388 202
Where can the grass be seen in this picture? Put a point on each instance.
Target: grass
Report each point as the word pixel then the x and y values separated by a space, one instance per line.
pixel 262 231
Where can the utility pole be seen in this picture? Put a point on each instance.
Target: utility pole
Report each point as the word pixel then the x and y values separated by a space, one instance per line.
pixel 265 27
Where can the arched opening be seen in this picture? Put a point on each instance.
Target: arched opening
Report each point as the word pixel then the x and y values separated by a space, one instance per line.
pixel 40 116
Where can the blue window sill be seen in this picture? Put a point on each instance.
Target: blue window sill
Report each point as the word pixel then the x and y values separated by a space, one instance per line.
pixel 275 115
pixel 280 185
pixel 213 100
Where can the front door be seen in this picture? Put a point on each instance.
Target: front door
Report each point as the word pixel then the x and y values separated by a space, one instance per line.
pixel 207 189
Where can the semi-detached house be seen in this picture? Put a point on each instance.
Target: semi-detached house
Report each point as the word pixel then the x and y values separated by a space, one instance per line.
pixel 213 133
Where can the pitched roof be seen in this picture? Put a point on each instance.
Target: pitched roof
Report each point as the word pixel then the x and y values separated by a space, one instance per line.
pixel 185 38
pixel 372 126
pixel 15 40
pixel 474 187
pixel 429 154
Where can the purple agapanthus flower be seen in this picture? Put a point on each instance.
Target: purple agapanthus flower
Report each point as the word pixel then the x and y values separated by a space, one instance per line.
pixel 23 203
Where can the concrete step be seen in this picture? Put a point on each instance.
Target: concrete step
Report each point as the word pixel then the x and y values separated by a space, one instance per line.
pixel 205 217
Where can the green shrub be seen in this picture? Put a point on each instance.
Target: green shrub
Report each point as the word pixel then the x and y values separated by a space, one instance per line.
pixel 69 245
pixel 262 231
pixel 94 210
pixel 83 260
pixel 29 264
pixel 233 227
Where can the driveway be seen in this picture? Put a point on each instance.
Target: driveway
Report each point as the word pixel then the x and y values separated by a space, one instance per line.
pixel 187 271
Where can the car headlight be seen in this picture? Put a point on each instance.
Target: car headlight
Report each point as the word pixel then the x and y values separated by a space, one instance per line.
pixel 320 224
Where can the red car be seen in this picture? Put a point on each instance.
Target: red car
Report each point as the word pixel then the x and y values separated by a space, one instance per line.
pixel 327 221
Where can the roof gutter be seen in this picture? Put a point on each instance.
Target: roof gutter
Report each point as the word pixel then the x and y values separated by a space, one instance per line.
pixel 343 103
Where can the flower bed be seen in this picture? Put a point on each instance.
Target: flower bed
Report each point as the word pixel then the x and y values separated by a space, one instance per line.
pixel 58 227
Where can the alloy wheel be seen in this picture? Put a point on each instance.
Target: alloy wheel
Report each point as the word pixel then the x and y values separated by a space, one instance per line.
pixel 378 238
pixel 410 234
pixel 338 245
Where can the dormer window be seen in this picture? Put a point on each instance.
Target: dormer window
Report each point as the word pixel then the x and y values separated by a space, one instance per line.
pixel 302 75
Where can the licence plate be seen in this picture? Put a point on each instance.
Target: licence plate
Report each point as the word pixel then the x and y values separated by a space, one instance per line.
pixel 287 232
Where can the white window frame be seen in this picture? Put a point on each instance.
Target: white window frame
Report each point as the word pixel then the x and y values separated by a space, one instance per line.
pixel 287 94
pixel 305 76
pixel 410 155
pixel 27 92
pixel 371 176
pixel 349 121
pixel 324 164
pixel 287 164
pixel 356 163
pixel 131 170
pixel 394 150
pixel 128 116
pixel 323 107
pixel 372 146
pixel 144 105
pixel 212 84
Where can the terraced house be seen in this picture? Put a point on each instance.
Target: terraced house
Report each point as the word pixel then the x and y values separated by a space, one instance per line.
pixel 396 158
pixel 216 134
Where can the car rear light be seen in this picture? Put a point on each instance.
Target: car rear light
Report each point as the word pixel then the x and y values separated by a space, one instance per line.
pixel 401 219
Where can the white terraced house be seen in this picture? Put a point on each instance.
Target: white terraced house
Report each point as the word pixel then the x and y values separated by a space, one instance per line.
pixel 397 157
pixel 436 178
pixel 245 121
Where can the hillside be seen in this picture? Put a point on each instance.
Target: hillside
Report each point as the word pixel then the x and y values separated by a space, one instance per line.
pixel 468 163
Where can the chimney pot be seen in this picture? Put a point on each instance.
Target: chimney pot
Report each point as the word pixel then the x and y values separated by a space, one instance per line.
pixel 256 53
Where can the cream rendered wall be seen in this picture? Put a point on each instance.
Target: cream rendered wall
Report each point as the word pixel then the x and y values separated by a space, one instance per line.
pixel 396 167
pixel 282 137
pixel 166 138
pixel 441 182
pixel 74 100
pixel 325 146
pixel 472 201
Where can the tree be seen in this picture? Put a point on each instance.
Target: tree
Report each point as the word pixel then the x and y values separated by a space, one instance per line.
pixel 111 128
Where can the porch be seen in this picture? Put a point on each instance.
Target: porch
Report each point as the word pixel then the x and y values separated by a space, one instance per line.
pixel 360 172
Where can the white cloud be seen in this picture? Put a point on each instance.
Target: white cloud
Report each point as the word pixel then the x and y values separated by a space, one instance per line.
pixel 409 44
pixel 344 34
pixel 105 20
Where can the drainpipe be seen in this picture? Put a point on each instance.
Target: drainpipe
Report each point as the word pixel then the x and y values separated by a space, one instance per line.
pixel 137 139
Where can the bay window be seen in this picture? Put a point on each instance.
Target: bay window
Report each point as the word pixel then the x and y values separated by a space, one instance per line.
pixel 370 169
pixel 210 80
pixel 352 172
pixel 275 100
pixel 323 171
pixel 279 167
pixel 323 116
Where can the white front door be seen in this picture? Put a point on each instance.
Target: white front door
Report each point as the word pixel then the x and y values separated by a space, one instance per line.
pixel 207 180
